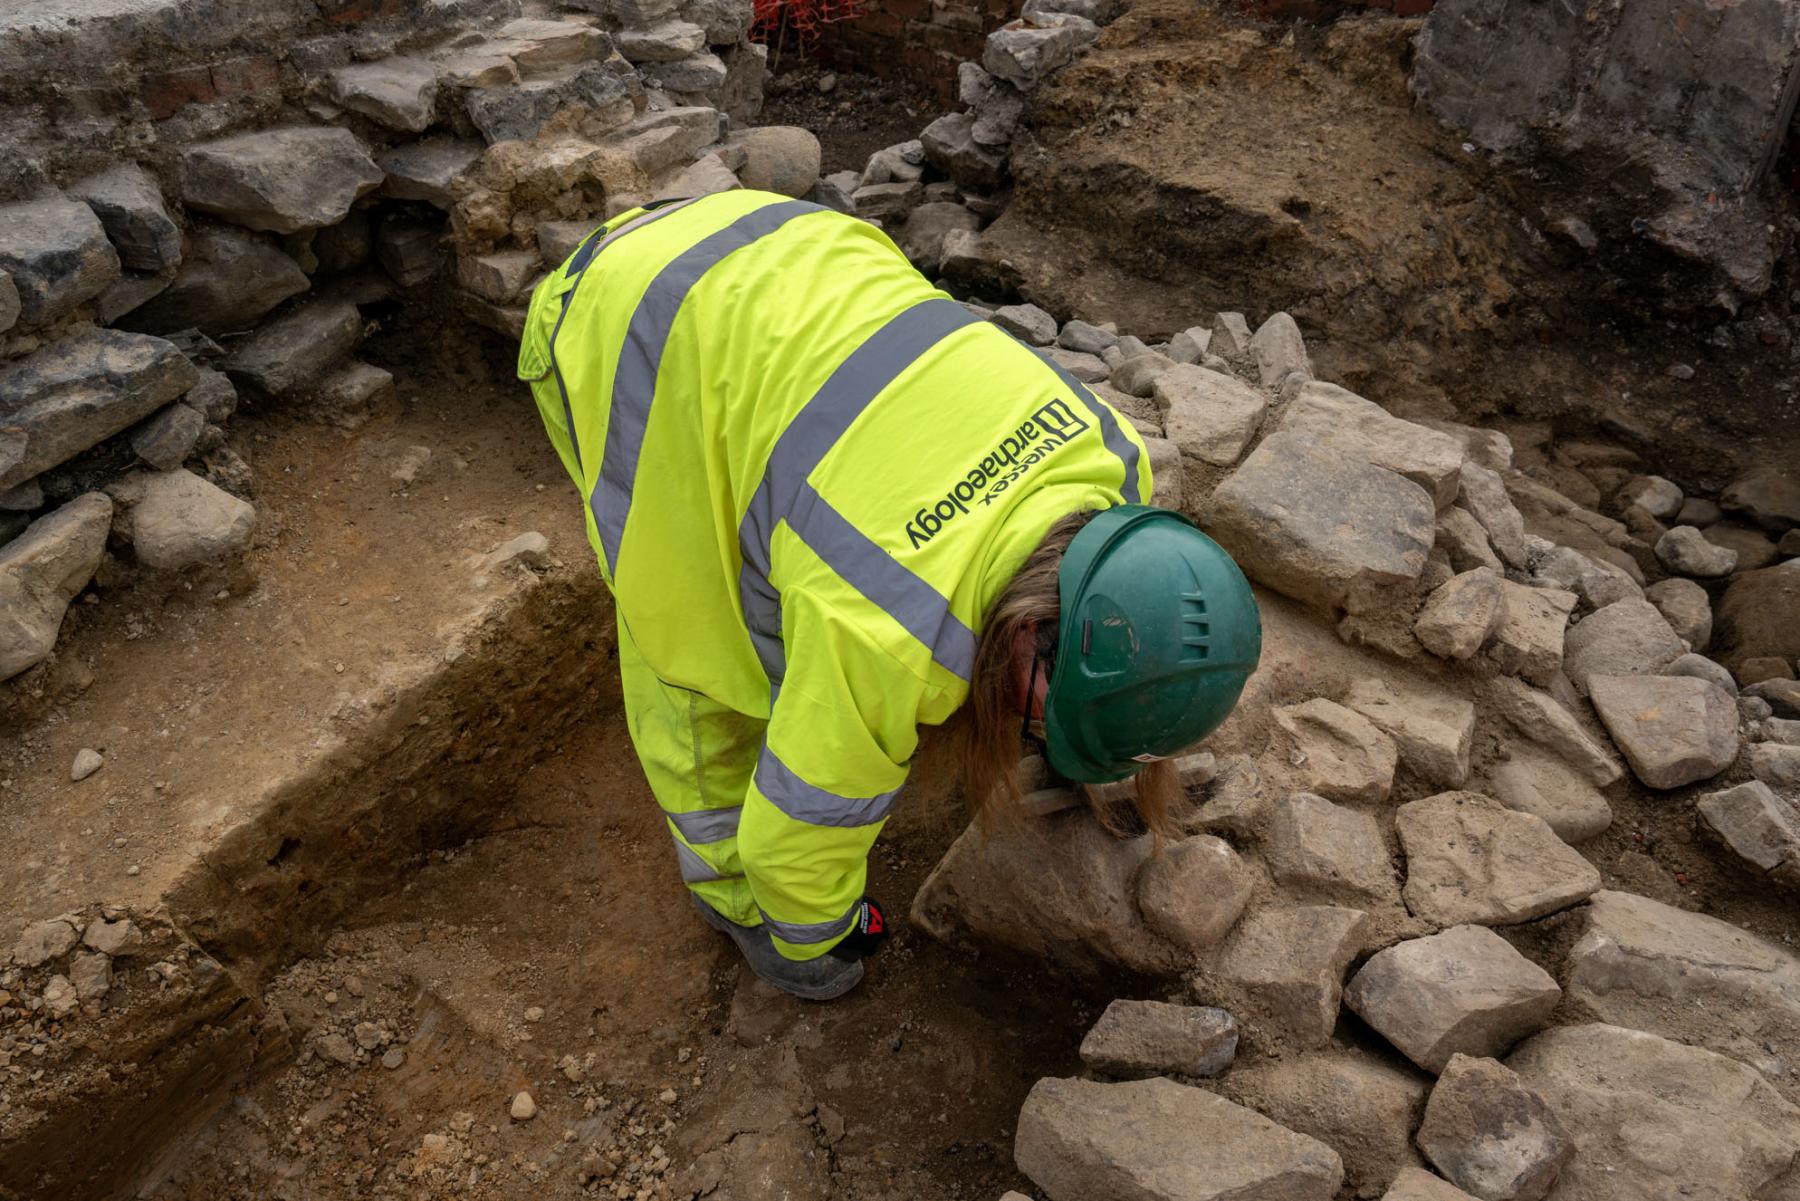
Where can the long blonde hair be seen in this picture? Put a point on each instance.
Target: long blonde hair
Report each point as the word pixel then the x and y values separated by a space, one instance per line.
pixel 989 730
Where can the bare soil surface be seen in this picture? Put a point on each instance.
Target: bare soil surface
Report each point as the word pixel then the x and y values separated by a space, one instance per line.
pixel 854 116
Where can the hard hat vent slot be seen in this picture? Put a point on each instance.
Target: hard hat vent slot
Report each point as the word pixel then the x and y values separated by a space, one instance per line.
pixel 1196 635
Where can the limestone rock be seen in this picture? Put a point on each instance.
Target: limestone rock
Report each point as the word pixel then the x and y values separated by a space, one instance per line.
pixel 1230 336
pixel 1315 845
pixel 282 180
pixel 290 353
pixel 1089 369
pixel 167 439
pixel 1658 1121
pixel 610 91
pixel 1361 1105
pixel 1137 374
pixel 1235 805
pixel 1532 782
pixel 778 158
pixel 70 395
pixel 834 191
pixel 1491 1135
pixel 1483 494
pixel 1416 1184
pixel 1755 617
pixel 996 105
pixel 398 92
pixel 41 571
pixel 120 937
pixel 1753 547
pixel 349 394
pixel 1530 639
pixel 408 250
pixel 886 201
pixel 1345 757
pixel 91 975
pixel 1596 582
pixel 130 207
pixel 922 238
pixel 1189 346
pixel 1165 469
pixel 1776 766
pixel 1464 991
pixel 1059 888
pixel 1280 352
pixel 702 177
pixel 1461 614
pixel 1088 339
pixel 231 278
pixel 903 162
pixel 1760 826
pixel 500 277
pixel 1543 719
pixel 429 169
pixel 663 42
pixel 1194 891
pixel 1135 1039
pixel 57 254
pixel 1767 495
pixel 1657 496
pixel 1282 514
pixel 176 519
pixel 1673 730
pixel 699 74
pixel 1155 1140
pixel 1432 728
pixel 1684 550
pixel 1629 637
pixel 1344 422
pixel 1023 52
pixel 1208 414
pixel 87 762
pixel 1463 539
pixel 1684 605
pixel 43 941
pixel 1026 322
pixel 951 146
pixel 1469 859
pixel 1286 965
pixel 1688 977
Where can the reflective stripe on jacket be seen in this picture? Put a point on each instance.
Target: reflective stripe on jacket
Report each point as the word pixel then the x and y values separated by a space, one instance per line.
pixel 807 473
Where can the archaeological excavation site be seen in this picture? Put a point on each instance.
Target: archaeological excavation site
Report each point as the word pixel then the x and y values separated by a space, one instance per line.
pixel 373 650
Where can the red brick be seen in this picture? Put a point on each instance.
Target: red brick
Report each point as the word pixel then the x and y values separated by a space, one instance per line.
pixel 246 76
pixel 168 93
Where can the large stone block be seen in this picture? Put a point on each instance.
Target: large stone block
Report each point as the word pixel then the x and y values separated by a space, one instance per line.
pixel 175 519
pixel 1344 756
pixel 1492 1135
pixel 1689 977
pixel 1025 51
pixel 41 571
pixel 428 170
pixel 1658 1121
pixel 1194 891
pixel 1059 888
pixel 1544 720
pixel 1155 1140
pixel 1540 784
pixel 779 158
pixel 1316 524
pixel 951 147
pixel 57 254
pixel 289 354
pixel 72 394
pixel 1674 730
pixel 1464 991
pixel 515 112
pixel 130 207
pixel 1208 414
pixel 1282 970
pixel 1345 422
pixel 400 92
pixel 1432 727
pixel 1626 638
pixel 1759 826
pixel 231 279
pixel 282 180
pixel 1135 1039
pixel 1314 845
pixel 1469 859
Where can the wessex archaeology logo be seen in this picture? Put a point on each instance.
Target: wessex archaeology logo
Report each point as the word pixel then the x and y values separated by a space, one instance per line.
pixel 1050 428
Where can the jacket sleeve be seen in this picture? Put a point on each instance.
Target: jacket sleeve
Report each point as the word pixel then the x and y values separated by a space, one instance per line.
pixel 840 738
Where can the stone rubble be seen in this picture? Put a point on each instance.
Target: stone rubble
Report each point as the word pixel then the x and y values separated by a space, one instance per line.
pixel 1490 1135
pixel 1137 1039
pixel 1470 859
pixel 1673 730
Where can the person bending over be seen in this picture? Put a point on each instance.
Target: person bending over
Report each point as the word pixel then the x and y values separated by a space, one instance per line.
pixel 832 507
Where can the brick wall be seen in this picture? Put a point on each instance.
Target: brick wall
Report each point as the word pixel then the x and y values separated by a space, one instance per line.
pixel 921 41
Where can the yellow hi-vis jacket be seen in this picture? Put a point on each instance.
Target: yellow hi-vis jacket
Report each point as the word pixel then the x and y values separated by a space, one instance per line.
pixel 807 474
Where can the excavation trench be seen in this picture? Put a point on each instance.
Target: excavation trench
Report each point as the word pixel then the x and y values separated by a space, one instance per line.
pixel 430 876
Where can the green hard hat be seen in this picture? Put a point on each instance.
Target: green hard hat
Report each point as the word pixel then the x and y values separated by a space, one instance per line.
pixel 1159 633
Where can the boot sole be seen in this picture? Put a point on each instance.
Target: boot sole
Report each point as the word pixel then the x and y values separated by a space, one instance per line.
pixel 822 992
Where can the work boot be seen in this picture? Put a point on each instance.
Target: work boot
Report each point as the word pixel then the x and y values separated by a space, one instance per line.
pixel 820 979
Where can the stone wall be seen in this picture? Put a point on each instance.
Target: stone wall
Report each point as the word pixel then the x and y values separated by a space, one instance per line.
pixel 922 41
pixel 201 201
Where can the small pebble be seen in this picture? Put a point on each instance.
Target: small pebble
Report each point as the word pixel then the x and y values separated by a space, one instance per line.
pixel 87 762
pixel 132 870
pixel 523 1107
pixel 331 998
pixel 393 1059
pixel 668 1096
pixel 535 1013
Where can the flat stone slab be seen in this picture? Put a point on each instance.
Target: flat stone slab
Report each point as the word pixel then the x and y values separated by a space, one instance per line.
pixel 282 180
pixel 290 354
pixel 398 92
pixel 130 206
pixel 1465 991
pixel 1674 730
pixel 1208 414
pixel 1135 1039
pixel 1658 1121
pixel 1470 859
pixel 1433 728
pixel 1315 524
pixel 57 255
pixel 1344 756
pixel 79 391
pixel 1339 419
pixel 175 519
pixel 1760 826
pixel 429 169
pixel 1155 1140
pixel 1689 977
pixel 1532 781
pixel 1545 721
pixel 1315 845
pixel 1528 641
pixel 1627 638
pixel 231 279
